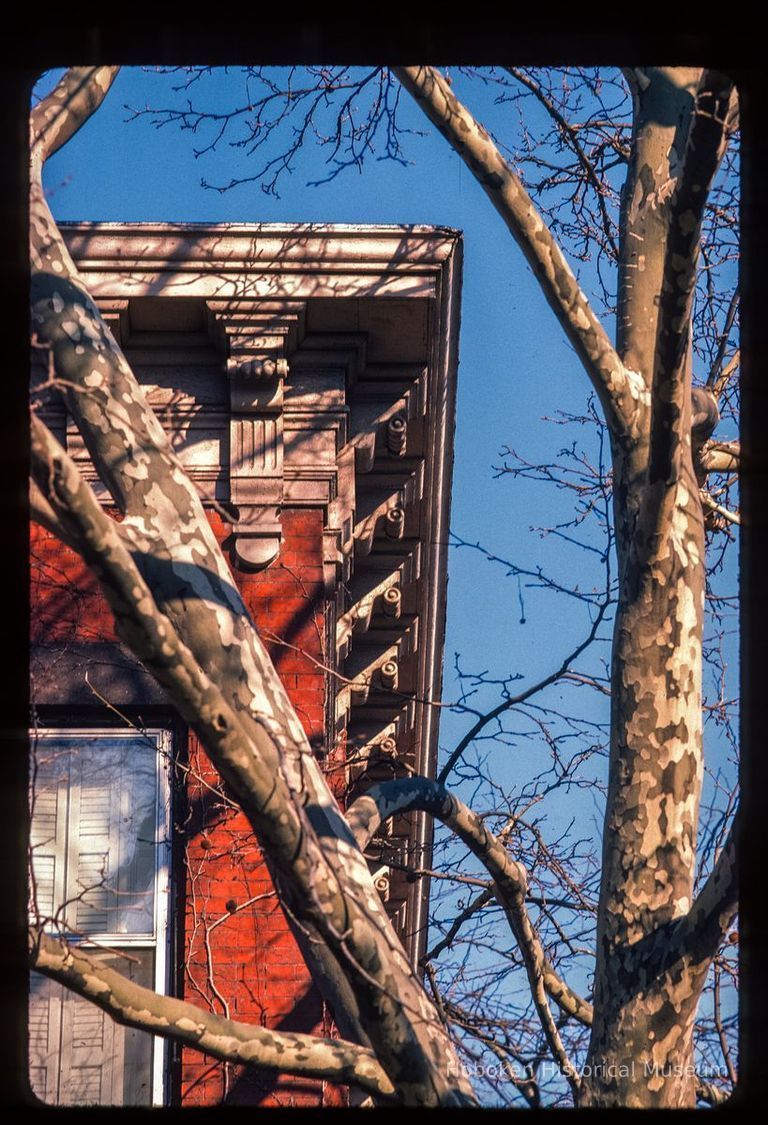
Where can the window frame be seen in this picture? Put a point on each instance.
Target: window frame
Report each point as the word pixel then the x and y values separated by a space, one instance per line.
pixel 160 940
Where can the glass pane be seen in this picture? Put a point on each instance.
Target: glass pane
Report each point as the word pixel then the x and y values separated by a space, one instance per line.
pixel 94 825
pixel 78 1055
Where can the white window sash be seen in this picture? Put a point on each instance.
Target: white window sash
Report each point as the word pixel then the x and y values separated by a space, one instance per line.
pixel 158 941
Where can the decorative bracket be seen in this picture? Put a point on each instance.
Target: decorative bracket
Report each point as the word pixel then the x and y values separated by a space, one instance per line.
pixel 254 336
pixel 256 457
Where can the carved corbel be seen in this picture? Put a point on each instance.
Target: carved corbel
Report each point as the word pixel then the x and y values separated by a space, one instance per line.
pixel 397 435
pixel 254 336
pixel 381 882
pixel 388 673
pixel 256 456
pixel 387 747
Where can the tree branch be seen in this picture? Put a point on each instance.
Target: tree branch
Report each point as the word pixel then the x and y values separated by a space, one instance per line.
pixel 69 105
pixel 707 140
pixel 712 505
pixel 721 457
pixel 571 138
pixel 726 374
pixel 42 512
pixel 717 364
pixel 707 922
pixel 709 1094
pixel 525 1083
pixel 479 902
pixel 521 697
pixel 618 389
pixel 243 1044
pixel 510 881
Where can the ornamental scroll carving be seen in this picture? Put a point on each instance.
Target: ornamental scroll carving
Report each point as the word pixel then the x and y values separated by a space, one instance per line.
pixel 256 457
pixel 254 335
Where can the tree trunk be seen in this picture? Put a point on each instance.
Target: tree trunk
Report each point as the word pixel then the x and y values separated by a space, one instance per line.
pixel 641 1048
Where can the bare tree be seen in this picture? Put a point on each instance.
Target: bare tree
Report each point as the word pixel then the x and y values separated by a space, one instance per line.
pixel 657 932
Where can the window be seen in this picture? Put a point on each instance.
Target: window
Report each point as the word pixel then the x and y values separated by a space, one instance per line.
pixel 100 849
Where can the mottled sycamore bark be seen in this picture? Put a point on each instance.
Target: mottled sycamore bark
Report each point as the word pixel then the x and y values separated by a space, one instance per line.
pixel 205 645
pixel 647 976
pixel 641 1051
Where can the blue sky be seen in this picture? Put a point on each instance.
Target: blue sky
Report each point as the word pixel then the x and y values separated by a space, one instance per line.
pixel 515 364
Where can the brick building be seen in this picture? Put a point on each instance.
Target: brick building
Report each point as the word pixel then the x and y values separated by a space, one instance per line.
pixel 306 375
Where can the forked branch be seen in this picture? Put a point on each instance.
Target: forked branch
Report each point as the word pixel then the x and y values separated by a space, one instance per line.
pixel 618 389
pixel 510 880
pixel 707 140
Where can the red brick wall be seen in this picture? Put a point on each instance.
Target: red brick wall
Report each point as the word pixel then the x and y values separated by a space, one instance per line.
pixel 66 602
pixel 237 947
pixel 239 955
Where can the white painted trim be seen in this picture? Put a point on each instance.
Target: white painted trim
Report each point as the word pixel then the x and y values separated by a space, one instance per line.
pixel 286 261
pixel 163 832
pixel 159 940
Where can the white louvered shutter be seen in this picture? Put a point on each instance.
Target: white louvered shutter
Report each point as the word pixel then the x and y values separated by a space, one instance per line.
pixel 91 1061
pixel 44 1038
pixel 49 834
pixel 94 859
